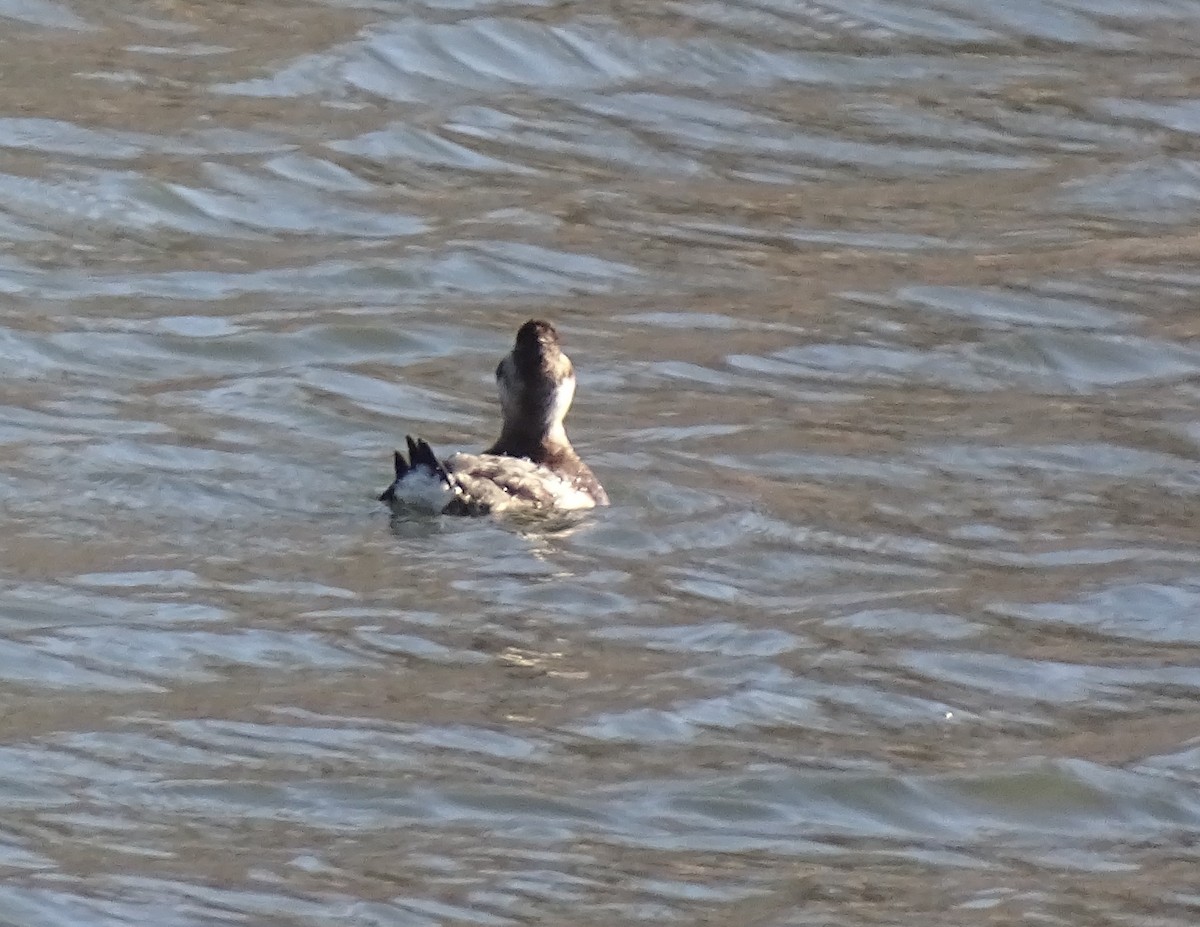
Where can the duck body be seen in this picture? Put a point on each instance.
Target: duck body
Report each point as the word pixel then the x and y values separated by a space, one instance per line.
pixel 532 467
pixel 487 484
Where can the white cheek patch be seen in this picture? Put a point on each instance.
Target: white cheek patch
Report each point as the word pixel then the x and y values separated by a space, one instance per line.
pixel 561 404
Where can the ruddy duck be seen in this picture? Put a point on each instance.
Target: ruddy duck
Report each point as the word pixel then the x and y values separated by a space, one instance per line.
pixel 531 467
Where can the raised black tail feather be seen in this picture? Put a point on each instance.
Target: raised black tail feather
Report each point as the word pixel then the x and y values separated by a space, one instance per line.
pixel 420 454
pixel 402 469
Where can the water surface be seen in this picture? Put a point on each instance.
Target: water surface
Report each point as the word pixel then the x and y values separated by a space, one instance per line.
pixel 885 319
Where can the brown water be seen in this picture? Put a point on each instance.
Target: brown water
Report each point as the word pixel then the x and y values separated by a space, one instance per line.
pixel 886 318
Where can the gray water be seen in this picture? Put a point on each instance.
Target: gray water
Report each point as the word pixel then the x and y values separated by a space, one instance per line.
pixel 885 316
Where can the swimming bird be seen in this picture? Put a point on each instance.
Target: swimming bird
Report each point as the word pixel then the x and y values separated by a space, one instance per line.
pixel 531 467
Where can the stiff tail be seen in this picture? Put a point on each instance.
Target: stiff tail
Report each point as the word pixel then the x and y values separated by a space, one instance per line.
pixel 421 461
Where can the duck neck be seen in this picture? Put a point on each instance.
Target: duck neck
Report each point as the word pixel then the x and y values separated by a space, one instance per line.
pixel 538 444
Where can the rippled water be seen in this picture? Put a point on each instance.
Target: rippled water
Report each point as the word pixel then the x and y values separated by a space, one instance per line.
pixel 886 320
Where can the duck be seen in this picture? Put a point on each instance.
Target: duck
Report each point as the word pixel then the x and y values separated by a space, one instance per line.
pixel 532 467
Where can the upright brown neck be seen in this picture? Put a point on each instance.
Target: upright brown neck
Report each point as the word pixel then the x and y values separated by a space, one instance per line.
pixel 536 443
